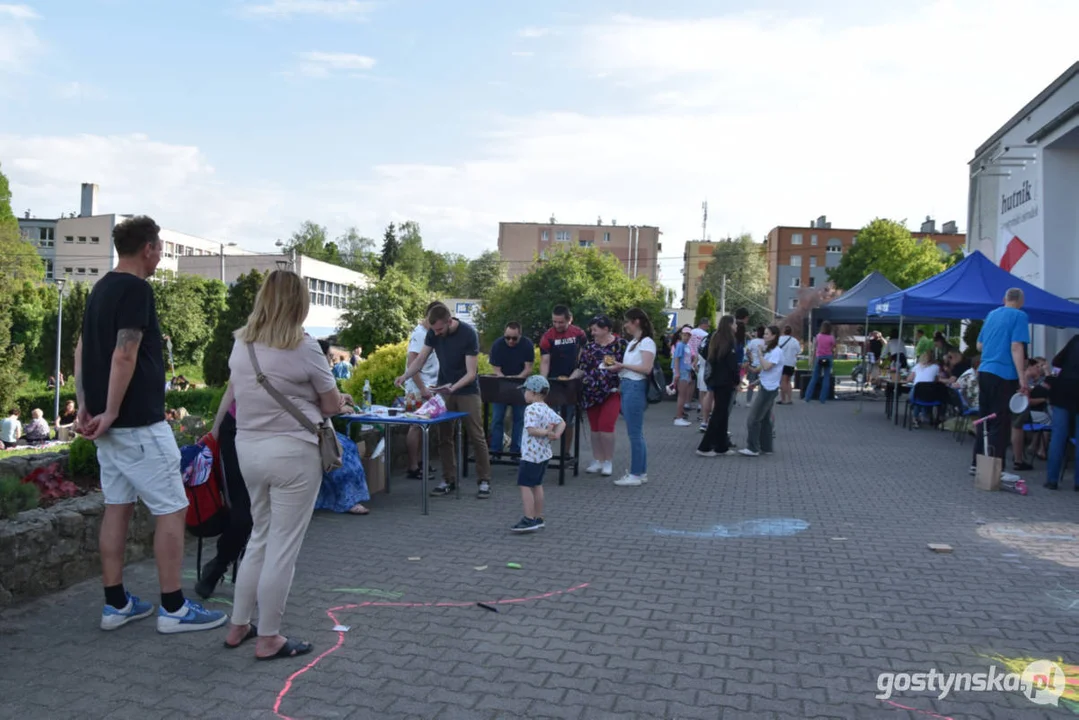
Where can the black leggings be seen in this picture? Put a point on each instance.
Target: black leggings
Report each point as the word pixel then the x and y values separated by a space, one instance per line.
pixel 234 539
pixel 715 437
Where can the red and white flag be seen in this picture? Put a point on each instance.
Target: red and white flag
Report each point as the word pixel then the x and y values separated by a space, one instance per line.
pixel 1013 253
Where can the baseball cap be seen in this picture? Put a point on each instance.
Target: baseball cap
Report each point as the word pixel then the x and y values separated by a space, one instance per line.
pixel 537 384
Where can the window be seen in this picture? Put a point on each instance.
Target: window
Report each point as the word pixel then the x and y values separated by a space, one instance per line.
pixel 796 282
pixel 48 269
pixel 68 238
pixel 794 303
pixel 81 271
pixel 67 271
pixel 189 250
pixel 179 249
pixel 812 281
pixel 813 240
pixel 45 234
pixel 606 237
pixel 312 297
pixel 585 243
pixel 93 271
pixel 835 246
pixel 796 261
pixel 312 284
pixel 95 240
pixel 563 236
pixel 796 239
pixel 812 261
pixel 545 236
pixel 82 239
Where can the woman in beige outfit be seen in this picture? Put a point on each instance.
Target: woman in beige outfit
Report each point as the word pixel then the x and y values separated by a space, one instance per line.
pixel 278 456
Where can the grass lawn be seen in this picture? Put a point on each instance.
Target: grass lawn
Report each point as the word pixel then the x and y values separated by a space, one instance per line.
pixel 193 373
pixel 30 451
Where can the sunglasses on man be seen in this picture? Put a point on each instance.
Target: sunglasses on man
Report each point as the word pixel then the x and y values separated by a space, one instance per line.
pixel 511 338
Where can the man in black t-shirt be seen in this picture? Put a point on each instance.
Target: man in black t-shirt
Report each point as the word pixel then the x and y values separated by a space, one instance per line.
pixel 513 356
pixel 120 384
pixel 457 347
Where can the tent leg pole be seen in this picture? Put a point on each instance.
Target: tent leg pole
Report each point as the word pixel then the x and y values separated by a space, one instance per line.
pixel 895 390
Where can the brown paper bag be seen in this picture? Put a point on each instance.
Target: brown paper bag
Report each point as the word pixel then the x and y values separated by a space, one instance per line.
pixel 987 473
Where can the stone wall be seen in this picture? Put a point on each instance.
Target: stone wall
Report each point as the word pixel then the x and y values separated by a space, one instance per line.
pixel 46 550
pixel 23 465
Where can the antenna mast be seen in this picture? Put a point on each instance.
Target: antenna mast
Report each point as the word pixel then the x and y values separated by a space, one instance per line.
pixel 704 221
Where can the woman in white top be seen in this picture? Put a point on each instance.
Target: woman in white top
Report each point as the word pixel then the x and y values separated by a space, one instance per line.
pixel 278 456
pixel 759 424
pixel 791 348
pixel 634 371
pixel 925 386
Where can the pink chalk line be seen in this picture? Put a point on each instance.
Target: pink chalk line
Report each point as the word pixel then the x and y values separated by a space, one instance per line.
pixel 341 635
pixel 923 712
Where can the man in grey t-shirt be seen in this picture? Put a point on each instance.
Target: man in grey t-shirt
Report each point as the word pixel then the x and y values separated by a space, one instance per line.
pixel 457 347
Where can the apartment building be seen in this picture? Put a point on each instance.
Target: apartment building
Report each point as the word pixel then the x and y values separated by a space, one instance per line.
pixel 799 257
pixel 80 248
pixel 637 247
pixel 330 286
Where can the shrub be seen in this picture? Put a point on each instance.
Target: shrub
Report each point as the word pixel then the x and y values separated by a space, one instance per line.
pixel 16 496
pixel 44 400
pixel 82 458
pixel 196 402
pixel 189 430
pixel 385 365
pixel 51 483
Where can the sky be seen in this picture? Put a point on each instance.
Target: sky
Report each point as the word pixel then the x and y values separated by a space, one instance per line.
pixel 236 120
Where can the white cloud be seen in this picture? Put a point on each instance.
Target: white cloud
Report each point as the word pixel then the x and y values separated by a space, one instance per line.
pixel 340 9
pixel 19 44
pixel 321 64
pixel 19 12
pixel 533 32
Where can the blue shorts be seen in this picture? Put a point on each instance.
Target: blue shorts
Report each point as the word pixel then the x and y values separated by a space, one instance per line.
pixel 530 474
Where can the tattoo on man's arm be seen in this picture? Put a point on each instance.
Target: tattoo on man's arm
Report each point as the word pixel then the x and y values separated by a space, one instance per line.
pixel 126 337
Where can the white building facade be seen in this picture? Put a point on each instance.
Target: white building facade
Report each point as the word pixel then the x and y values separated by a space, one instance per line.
pixel 1024 195
pixel 329 286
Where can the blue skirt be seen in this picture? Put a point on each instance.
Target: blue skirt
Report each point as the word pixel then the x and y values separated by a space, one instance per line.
pixel 347 485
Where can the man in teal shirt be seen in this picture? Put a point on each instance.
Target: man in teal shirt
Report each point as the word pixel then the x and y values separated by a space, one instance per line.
pixel 1002 344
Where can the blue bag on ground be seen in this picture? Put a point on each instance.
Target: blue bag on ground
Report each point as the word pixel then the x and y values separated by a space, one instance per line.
pixel 347 485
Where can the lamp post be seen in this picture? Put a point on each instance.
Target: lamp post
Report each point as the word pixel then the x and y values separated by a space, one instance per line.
pixel 59 325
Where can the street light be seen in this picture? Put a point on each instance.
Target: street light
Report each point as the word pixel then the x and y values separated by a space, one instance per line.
pixel 59 324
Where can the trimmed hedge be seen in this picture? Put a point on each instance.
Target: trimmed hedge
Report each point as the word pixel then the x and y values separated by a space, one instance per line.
pixel 197 402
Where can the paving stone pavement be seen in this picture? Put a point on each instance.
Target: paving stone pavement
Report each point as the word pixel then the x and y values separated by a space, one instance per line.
pixel 668 625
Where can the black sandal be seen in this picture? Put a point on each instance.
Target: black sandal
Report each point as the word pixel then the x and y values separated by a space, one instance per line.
pixel 252 633
pixel 290 649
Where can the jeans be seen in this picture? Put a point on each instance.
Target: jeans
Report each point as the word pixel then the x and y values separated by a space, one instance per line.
pixel 498 426
pixel 759 424
pixel 822 375
pixel 1058 445
pixel 994 393
pixel 634 402
pixel 715 437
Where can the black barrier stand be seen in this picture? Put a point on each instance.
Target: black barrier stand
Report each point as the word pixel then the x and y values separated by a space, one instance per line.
pixel 564 394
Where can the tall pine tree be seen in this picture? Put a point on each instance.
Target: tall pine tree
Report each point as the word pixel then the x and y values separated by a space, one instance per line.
pixel 391 251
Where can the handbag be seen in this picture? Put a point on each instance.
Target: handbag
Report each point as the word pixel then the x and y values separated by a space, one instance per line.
pixel 329 447
pixel 655 387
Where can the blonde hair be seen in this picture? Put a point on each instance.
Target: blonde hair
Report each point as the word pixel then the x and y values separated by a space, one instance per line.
pixel 280 308
pixel 37 414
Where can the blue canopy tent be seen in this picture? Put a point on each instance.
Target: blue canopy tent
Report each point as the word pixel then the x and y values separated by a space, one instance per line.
pixel 849 308
pixel 970 290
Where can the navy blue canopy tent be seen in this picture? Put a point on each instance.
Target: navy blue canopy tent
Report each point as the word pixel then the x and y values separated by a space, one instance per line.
pixel 849 308
pixel 969 291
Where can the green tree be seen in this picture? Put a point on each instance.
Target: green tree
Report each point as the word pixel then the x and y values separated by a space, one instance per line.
pixel 391 250
pixel 238 305
pixel 588 281
pixel 484 275
pixel 706 308
pixel 44 359
pixel 887 247
pixel 411 259
pixel 447 274
pixel 309 240
pixel 188 307
pixel 33 316
pixel 357 252
pixel 9 225
pixel 744 263
pixel 954 258
pixel 384 313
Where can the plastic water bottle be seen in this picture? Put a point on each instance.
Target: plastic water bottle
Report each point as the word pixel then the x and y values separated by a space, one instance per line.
pixel 366 394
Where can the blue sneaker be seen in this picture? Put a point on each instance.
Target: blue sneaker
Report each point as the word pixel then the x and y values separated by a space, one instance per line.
pixel 113 619
pixel 192 617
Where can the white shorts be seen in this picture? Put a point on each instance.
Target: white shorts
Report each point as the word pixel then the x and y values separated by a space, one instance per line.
pixel 142 463
pixel 700 381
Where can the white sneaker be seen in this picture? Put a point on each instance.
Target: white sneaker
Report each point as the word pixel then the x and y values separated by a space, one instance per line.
pixel 607 470
pixel 748 453
pixel 628 481
pixel 682 422
pixel 595 467
pixel 710 453
pixel 643 478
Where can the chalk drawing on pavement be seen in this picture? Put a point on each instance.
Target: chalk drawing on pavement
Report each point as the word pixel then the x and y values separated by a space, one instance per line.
pixel 763 527
pixel 1054 541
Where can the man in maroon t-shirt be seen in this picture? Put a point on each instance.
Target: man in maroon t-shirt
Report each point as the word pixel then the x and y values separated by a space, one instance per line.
pixel 560 349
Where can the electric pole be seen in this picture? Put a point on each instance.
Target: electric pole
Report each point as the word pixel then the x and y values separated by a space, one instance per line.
pixel 723 297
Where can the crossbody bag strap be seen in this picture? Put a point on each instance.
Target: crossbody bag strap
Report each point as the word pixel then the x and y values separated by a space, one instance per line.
pixel 281 399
